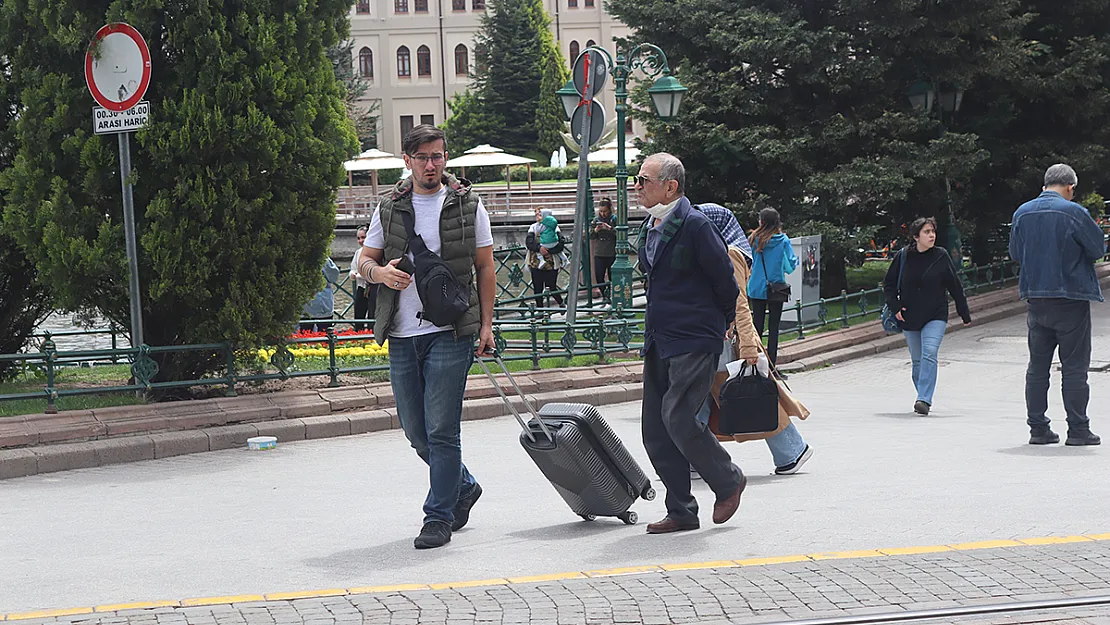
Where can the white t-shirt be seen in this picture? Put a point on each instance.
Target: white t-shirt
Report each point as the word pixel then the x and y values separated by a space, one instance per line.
pixel 427 209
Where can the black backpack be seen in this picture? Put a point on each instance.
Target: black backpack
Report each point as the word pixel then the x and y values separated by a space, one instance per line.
pixel 443 297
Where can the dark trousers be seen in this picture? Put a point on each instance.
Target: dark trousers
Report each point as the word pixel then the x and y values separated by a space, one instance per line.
pixel 603 272
pixel 364 295
pixel 675 440
pixel 1063 324
pixel 546 280
pixel 760 309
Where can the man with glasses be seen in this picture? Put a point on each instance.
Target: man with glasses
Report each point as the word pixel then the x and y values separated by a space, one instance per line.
pixel 691 300
pixel 1057 244
pixel 428 364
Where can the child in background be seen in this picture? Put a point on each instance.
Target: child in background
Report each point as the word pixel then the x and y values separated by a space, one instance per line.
pixel 549 236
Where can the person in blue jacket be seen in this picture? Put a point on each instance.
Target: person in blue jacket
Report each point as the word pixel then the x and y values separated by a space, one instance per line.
pixel 772 258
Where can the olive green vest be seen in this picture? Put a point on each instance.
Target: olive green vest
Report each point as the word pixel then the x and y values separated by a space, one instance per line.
pixel 458 246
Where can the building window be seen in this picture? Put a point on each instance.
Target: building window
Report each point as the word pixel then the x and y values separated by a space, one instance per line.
pixel 428 119
pixel 406 126
pixel 589 4
pixel 481 58
pixel 423 61
pixel 590 43
pixel 420 6
pixel 366 63
pixel 400 6
pixel 363 7
pixel 404 63
pixel 628 125
pixel 458 5
pixel 572 4
pixel 573 52
pixel 478 5
pixel 462 63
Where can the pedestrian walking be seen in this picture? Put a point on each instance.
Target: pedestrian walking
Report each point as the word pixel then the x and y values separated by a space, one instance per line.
pixel 691 300
pixel 428 363
pixel 916 286
pixel 603 232
pixel 364 291
pixel 772 258
pixel 322 306
pixel 1057 243
pixel 544 264
pixel 789 449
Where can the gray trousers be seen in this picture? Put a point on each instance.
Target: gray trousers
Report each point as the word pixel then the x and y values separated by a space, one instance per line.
pixel 674 390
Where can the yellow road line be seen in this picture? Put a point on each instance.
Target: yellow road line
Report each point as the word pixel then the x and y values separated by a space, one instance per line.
pixel 551 577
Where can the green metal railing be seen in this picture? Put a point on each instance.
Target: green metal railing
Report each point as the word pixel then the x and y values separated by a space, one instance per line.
pixel 523 331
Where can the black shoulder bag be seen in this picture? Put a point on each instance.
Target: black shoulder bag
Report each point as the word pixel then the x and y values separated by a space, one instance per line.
pixel 444 298
pixel 776 291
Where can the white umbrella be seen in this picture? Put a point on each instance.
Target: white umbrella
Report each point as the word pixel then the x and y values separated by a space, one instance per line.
pixel 608 153
pixel 487 155
pixel 372 160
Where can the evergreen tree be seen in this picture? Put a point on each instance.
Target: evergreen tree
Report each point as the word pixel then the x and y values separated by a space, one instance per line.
pixel 234 176
pixel 364 118
pixel 507 103
pixel 803 106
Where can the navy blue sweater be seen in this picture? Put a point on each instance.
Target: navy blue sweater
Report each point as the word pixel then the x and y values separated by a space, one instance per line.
pixel 691 296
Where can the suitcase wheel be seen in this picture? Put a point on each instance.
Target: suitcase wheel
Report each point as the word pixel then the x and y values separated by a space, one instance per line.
pixel 648 494
pixel 629 517
pixel 588 517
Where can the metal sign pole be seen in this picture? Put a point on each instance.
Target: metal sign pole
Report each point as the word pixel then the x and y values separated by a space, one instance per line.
pixel 580 204
pixel 129 236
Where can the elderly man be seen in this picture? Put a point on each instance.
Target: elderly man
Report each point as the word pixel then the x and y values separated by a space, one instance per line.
pixel 1057 244
pixel 691 301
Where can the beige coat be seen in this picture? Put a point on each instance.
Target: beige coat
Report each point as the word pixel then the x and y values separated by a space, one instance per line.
pixel 748 346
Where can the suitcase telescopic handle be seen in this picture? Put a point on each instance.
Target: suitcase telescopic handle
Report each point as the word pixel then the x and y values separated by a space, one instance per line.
pixel 520 393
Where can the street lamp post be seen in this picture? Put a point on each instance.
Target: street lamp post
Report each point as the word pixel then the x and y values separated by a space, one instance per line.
pixel 924 97
pixel 666 95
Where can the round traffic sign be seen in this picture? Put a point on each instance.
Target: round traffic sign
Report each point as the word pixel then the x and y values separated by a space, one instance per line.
pixel 597 122
pixel 117 67
pixel 598 69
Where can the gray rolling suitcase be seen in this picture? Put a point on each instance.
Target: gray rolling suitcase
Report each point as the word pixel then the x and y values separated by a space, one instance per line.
pixel 580 455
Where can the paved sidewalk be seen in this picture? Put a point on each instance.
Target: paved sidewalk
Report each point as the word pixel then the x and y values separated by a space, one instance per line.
pixel 342 513
pixel 739 594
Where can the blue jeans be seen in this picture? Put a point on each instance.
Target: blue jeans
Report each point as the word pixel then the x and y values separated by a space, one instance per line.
pixel 924 346
pixel 786 446
pixel 428 376
pixel 1062 324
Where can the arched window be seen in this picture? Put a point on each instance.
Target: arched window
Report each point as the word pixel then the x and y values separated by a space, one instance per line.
pixel 366 63
pixel 574 50
pixel 462 62
pixel 404 62
pixel 363 7
pixel 481 58
pixel 423 61
pixel 458 5
pixel 420 6
pixel 590 43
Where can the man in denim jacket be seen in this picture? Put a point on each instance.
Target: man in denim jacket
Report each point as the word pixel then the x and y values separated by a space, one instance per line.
pixel 1057 243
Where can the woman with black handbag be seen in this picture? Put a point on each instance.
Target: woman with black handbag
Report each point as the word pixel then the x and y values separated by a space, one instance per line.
pixel 773 258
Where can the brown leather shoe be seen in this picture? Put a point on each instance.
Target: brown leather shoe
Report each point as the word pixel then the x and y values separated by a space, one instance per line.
pixel 723 509
pixel 668 525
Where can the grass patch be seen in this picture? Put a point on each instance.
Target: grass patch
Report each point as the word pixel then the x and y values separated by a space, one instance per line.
pixel 868 276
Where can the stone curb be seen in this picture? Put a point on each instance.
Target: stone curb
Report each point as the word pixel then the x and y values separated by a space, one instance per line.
pixel 22 462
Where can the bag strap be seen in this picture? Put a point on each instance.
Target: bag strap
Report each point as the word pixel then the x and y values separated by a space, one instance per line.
pixel 419 247
pixel 901 268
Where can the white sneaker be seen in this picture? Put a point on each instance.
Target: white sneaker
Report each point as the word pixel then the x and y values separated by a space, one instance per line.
pixel 793 467
pixel 558 317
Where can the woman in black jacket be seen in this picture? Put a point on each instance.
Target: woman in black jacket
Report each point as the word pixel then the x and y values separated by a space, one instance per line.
pixel 915 287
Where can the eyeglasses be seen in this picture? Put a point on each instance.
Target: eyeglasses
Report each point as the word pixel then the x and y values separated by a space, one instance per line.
pixel 643 180
pixel 422 159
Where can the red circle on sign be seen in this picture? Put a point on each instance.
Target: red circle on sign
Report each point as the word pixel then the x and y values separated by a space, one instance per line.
pixel 144 82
